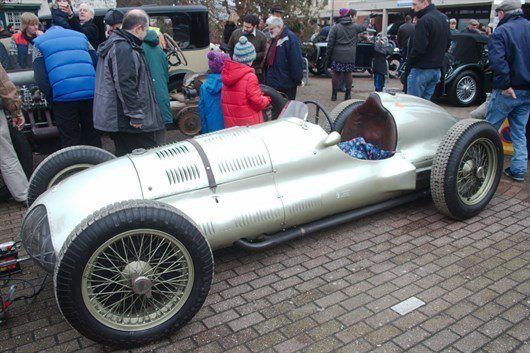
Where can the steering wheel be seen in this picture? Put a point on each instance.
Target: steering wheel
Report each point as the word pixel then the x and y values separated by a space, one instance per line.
pixel 175 55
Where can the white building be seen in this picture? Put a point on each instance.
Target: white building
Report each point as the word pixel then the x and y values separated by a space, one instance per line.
pixel 394 10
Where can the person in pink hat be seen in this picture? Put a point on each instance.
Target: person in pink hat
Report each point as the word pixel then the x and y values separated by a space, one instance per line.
pixel 341 50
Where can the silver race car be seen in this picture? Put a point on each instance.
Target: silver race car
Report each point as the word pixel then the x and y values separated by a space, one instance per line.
pixel 129 240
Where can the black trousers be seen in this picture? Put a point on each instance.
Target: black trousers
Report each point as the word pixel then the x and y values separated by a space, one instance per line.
pixel 289 92
pixel 126 142
pixel 75 123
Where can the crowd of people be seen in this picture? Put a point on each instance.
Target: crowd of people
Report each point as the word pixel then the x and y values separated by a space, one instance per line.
pixel 120 86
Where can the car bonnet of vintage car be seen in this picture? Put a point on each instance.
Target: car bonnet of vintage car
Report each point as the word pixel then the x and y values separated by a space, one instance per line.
pixel 242 182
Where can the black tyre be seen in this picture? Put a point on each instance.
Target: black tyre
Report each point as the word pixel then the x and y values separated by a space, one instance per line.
pixel 278 102
pixel 465 89
pixel 25 157
pixel 341 112
pixel 132 273
pixel 466 169
pixel 62 164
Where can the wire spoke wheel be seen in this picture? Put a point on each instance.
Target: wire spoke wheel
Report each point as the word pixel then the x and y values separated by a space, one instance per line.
pixel 466 89
pixel 476 171
pixel 137 280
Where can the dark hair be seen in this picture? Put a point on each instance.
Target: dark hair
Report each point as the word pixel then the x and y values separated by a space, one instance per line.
pixel 353 12
pixel 408 18
pixel 134 18
pixel 252 19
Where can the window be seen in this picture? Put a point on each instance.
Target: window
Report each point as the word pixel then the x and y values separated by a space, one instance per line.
pixel 14 18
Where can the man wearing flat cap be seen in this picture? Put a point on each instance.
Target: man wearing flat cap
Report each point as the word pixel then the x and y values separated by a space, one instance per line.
pixel 509 59
pixel 472 27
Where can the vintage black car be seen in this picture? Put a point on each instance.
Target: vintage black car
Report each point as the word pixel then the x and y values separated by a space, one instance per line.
pixel 467 75
pixel 315 52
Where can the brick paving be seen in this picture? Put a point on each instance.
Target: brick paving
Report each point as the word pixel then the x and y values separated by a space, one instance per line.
pixel 332 291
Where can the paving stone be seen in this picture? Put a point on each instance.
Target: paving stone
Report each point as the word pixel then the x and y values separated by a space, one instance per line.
pixel 521 331
pixel 294 344
pixel 382 335
pixel 411 337
pixel 353 332
pixel 441 340
pixel 471 342
pixel 268 340
pixel 503 343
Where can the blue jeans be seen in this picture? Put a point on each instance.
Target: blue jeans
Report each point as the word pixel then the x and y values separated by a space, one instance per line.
pixel 422 82
pixel 517 110
pixel 379 82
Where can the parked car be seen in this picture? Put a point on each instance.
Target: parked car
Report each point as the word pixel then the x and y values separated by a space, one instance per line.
pixel 130 240
pixel 315 53
pixel 467 76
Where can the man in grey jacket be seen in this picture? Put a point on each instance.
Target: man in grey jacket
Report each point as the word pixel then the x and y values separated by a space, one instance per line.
pixel 124 99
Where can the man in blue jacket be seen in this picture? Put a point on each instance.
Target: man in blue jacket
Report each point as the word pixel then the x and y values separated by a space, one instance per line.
pixel 283 63
pixel 509 59
pixel 64 68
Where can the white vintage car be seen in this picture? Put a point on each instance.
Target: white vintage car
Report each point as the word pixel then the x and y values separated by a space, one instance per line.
pixel 130 240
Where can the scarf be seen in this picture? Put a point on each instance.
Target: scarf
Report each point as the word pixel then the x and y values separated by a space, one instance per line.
pixel 272 54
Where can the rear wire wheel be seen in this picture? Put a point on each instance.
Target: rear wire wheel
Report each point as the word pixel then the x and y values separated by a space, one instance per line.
pixel 467 169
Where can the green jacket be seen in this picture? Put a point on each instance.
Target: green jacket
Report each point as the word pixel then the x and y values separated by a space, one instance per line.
pixel 159 68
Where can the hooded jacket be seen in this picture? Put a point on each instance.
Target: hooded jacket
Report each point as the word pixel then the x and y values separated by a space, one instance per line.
pixel 431 40
pixel 159 68
pixel 241 98
pixel 342 41
pixel 509 53
pixel 124 92
pixel 210 104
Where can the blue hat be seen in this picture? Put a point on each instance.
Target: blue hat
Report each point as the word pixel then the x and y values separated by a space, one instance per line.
pixel 244 51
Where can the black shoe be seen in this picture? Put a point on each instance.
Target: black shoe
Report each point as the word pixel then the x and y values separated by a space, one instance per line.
pixel 347 95
pixel 515 176
pixel 334 95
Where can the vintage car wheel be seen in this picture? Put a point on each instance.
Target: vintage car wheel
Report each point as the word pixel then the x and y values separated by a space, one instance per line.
pixel 189 121
pixel 465 89
pixel 341 112
pixel 25 157
pixel 466 169
pixel 62 164
pixel 133 272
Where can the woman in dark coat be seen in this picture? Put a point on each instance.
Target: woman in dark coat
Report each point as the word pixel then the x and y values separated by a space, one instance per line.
pixel 341 49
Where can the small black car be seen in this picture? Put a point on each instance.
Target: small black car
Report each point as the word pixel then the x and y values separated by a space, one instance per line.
pixel 467 75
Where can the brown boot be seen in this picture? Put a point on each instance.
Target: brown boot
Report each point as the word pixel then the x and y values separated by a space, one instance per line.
pixel 347 95
pixel 334 95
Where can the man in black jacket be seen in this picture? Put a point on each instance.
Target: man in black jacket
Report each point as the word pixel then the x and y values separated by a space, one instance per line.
pixel 429 44
pixel 83 22
pixel 125 103
pixel 403 35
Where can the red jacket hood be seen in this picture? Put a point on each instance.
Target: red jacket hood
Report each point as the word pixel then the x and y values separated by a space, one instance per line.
pixel 234 71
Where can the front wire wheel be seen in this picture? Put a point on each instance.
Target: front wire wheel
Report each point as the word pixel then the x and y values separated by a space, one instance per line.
pixel 132 273
pixel 466 169
pixel 137 280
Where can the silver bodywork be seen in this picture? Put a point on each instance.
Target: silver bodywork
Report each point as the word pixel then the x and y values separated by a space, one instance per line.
pixel 265 178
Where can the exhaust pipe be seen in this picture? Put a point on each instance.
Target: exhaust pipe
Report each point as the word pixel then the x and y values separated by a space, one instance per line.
pixel 328 222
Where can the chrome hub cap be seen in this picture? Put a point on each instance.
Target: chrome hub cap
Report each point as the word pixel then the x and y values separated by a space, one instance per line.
pixel 476 173
pixel 466 89
pixel 137 280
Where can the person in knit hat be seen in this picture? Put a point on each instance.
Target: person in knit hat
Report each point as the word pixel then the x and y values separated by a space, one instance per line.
pixel 210 96
pixel 241 98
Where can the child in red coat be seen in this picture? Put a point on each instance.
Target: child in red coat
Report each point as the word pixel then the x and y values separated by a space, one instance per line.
pixel 241 97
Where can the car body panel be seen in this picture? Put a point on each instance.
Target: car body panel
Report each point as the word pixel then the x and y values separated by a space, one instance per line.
pixel 244 182
pixel 77 197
